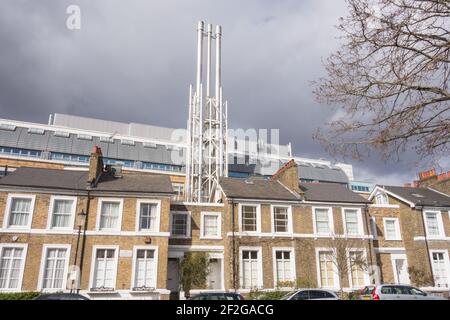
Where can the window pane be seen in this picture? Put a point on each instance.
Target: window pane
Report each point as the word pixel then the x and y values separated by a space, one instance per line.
pixel 281 219
pixel 210 225
pixel 148 216
pixel 326 269
pixel 145 268
pixel 104 272
pixel 110 215
pixel 62 211
pixel 432 224
pixel 250 269
pixel 54 269
pixel 249 222
pixel 20 212
pixel 390 229
pixel 179 224
pixel 322 221
pixel 351 221
pixel 10 265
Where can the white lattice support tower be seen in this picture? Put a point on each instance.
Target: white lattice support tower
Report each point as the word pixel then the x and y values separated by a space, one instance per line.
pixel 207 159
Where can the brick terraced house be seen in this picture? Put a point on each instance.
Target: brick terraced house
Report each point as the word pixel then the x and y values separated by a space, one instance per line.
pixel 115 235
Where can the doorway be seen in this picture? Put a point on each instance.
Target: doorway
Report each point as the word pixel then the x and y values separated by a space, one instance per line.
pixel 400 268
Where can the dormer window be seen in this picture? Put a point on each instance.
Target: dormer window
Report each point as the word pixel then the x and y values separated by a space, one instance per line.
pixel 381 198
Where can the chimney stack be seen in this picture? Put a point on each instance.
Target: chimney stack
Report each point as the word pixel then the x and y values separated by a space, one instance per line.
pixel 288 176
pixel 95 164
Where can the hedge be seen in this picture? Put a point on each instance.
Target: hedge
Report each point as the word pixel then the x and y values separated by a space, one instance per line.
pixel 19 295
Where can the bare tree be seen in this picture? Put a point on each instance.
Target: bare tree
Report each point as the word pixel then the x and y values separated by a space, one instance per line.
pixel 346 255
pixel 390 80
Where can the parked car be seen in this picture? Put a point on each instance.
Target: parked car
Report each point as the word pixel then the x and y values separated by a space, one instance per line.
pixel 366 293
pixel 312 294
pixel 217 296
pixel 397 292
pixel 60 296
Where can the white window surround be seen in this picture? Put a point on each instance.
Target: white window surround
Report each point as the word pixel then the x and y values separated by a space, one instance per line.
pixel 7 214
pixel 439 222
pixel 274 263
pixel 381 198
pixel 202 224
pixel 45 249
pixel 188 225
pixel 446 258
pixel 289 214
pixel 260 267
pixel 330 220
pixel 349 274
pixel 138 214
pixel 99 212
pixel 93 261
pixel 398 235
pixel 258 217
pixel 50 212
pixel 336 276
pixel 155 272
pixel 359 217
pixel 23 246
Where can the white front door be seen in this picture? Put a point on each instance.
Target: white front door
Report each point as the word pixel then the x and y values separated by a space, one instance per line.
pixel 400 268
pixel 173 277
pixel 440 269
pixel 215 274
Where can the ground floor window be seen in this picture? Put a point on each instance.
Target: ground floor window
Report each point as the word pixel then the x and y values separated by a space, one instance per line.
pixel 250 269
pixel 284 267
pixel 145 268
pixel 358 275
pixel 440 269
pixel 326 269
pixel 11 267
pixel 104 269
pixel 54 268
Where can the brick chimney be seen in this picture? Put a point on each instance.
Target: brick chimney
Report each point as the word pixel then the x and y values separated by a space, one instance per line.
pixel 288 176
pixel 95 164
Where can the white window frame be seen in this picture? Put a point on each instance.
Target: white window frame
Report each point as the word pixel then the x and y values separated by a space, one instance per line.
pixel 349 274
pixel 188 234
pixel 383 194
pixel 397 229
pixel 133 272
pixel 447 261
pixel 330 220
pixel 45 249
pixel 7 214
pixel 274 263
pixel 99 214
pixel 335 271
pixel 50 212
pixel 258 217
pixel 138 215
pixel 440 223
pixel 260 284
pixel 23 246
pixel 359 221
pixel 218 215
pixel 289 217
pixel 373 227
pixel 94 258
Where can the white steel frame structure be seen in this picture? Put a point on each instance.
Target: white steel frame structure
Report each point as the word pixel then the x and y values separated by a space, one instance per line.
pixel 207 126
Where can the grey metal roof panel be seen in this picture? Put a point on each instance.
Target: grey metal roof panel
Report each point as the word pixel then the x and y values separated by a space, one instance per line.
pixel 60 144
pixel 420 196
pixel 32 141
pixel 322 174
pixel 330 192
pixel 10 138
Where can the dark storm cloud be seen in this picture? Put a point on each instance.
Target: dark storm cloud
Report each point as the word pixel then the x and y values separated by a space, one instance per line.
pixel 133 61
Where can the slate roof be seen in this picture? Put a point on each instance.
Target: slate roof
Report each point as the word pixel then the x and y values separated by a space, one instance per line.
pixel 420 196
pixel 77 180
pixel 330 192
pixel 254 188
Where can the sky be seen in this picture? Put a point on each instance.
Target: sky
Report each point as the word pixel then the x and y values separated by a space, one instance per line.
pixel 133 61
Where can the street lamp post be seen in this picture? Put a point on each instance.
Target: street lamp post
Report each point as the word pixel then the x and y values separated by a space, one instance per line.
pixel 81 222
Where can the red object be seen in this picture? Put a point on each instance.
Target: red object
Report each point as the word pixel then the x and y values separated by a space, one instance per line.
pixel 427 174
pixel 444 176
pixel 374 295
pixel 97 150
pixel 241 297
pixel 148 240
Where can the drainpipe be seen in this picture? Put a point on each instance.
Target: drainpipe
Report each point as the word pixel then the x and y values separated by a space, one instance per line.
pixel 233 244
pixel 83 243
pixel 371 246
pixel 426 245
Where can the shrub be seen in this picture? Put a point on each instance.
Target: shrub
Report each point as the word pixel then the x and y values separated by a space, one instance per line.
pixel 19 295
pixel 266 295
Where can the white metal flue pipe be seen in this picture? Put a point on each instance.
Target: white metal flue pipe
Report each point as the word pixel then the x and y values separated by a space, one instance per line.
pixel 218 61
pixel 200 143
pixel 208 59
pixel 199 56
